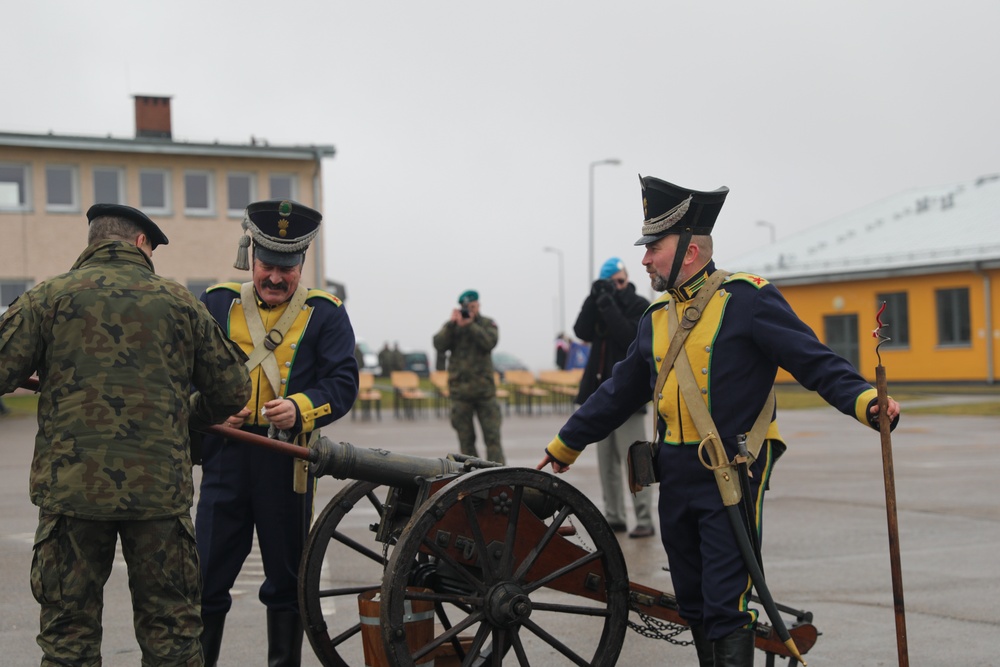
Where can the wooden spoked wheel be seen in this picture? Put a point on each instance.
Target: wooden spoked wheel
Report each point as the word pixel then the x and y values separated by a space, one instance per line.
pixel 490 550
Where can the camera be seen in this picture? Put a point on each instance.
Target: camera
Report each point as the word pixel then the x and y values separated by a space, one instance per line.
pixel 464 311
pixel 602 287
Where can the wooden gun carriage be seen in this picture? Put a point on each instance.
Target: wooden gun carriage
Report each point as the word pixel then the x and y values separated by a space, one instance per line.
pixel 507 558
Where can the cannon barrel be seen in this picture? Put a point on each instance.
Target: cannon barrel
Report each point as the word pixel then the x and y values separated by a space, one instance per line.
pixel 345 461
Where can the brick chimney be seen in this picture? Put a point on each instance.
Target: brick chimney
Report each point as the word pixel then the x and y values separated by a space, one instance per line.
pixel 152 117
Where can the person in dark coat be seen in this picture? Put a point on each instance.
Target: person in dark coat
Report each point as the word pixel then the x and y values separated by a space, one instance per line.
pixel 608 321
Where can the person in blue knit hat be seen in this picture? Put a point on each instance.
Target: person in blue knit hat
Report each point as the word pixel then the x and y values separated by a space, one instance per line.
pixel 608 321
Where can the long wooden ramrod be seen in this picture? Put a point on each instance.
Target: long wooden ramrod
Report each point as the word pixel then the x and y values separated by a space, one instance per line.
pixel 345 461
pixel 288 448
pixel 890 509
pixel 885 430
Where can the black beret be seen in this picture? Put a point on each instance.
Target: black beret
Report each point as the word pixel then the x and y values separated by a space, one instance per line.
pixel 153 233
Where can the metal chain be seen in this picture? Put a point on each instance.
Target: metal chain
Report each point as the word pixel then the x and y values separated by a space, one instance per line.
pixel 654 628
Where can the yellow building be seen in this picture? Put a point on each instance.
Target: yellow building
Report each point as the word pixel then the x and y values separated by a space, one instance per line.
pixel 932 255
pixel 196 193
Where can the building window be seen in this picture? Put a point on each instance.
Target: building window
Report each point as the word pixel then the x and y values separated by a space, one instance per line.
pixel 841 335
pixel 896 318
pixel 283 186
pixel 10 290
pixel 62 193
pixel 154 191
pixel 109 185
pixel 198 286
pixel 240 192
pixel 199 197
pixel 953 321
pixel 15 185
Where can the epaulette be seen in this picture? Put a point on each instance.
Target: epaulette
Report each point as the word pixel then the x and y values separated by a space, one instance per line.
pixel 322 294
pixel 232 287
pixel 751 278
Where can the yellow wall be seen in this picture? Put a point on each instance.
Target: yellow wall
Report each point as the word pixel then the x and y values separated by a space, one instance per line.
pixel 924 360
pixel 38 244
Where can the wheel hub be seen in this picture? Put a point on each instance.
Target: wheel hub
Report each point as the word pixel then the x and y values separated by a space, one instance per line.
pixel 507 604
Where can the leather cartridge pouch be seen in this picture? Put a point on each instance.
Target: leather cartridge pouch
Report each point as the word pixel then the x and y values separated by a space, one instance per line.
pixel 642 469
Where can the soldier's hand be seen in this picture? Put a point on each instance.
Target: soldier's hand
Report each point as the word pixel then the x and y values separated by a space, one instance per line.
pixel 237 420
pixel 281 412
pixel 456 317
pixel 556 466
pixel 892 410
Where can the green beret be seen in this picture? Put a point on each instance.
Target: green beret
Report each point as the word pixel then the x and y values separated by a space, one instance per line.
pixel 468 296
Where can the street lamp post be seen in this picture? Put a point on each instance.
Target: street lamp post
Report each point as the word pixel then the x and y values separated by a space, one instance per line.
pixel 562 289
pixel 770 226
pixel 590 257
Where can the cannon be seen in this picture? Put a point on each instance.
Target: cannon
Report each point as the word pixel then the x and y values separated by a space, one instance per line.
pixel 496 562
pixel 507 558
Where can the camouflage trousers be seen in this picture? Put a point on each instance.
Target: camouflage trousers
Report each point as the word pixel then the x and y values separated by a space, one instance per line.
pixel 488 411
pixel 72 562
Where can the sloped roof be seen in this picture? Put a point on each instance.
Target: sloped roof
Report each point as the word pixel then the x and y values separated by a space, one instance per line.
pixel 924 230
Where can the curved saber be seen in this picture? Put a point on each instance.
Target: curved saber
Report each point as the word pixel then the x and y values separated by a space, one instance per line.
pixel 731 493
pixel 757 577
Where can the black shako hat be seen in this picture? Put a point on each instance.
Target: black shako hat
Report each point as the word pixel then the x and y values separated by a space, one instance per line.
pixel 671 209
pixel 281 230
pixel 153 233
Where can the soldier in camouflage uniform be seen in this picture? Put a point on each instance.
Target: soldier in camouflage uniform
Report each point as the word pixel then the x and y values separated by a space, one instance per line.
pixel 470 338
pixel 117 349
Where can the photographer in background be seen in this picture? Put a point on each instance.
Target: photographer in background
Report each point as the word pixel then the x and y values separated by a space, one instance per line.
pixel 608 321
pixel 470 338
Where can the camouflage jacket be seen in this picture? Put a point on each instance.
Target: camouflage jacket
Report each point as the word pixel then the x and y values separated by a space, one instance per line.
pixel 117 349
pixel 470 366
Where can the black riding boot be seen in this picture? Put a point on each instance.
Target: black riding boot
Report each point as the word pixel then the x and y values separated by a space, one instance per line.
pixel 284 639
pixel 735 649
pixel 211 637
pixel 703 646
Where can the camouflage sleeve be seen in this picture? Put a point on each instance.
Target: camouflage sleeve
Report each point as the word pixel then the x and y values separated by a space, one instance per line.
pixel 443 338
pixel 220 375
pixel 485 333
pixel 20 344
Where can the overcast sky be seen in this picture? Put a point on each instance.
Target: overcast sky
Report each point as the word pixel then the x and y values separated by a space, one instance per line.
pixel 465 130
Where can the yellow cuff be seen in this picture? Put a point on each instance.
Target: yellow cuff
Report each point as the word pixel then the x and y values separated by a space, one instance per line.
pixel 861 406
pixel 309 413
pixel 560 452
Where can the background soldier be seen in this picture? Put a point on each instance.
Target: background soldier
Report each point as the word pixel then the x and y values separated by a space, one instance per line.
pixel 301 348
pixel 469 338
pixel 117 349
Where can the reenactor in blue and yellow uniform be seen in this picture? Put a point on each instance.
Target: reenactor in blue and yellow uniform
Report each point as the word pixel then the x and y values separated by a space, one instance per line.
pixel 745 332
pixel 300 345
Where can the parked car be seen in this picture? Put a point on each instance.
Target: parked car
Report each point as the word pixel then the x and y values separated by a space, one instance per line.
pixel 368 358
pixel 504 361
pixel 417 362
